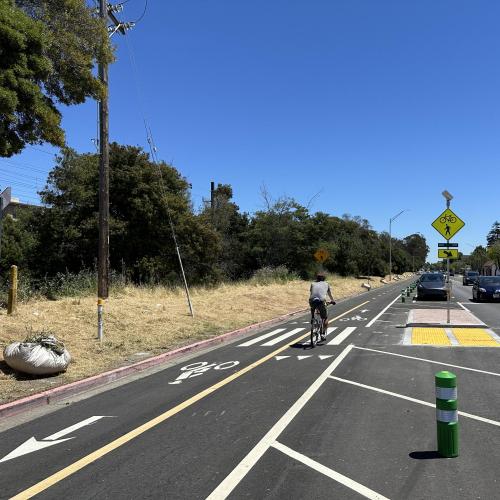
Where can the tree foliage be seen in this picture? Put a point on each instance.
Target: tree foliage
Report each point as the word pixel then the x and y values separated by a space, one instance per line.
pixel 218 243
pixel 47 52
pixel 494 234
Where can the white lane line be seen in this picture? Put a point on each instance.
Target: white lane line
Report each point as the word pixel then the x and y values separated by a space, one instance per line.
pixel 470 312
pixel 283 337
pixel 262 337
pixel 413 400
pixel 241 470
pixel 381 312
pixel 428 361
pixel 342 336
pixel 336 476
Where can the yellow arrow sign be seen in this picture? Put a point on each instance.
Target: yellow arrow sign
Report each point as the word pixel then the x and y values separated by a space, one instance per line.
pixel 321 255
pixel 448 224
pixel 448 253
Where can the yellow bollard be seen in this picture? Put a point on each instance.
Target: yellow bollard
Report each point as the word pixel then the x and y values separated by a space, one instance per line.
pixel 12 303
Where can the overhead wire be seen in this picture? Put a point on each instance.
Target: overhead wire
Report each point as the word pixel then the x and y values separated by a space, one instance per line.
pixel 153 152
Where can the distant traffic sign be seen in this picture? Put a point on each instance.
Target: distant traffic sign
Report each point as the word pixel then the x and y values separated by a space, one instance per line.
pixel 448 224
pixel 321 255
pixel 448 245
pixel 451 253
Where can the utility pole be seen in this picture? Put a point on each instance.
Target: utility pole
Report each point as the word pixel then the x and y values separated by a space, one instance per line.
pixel 103 253
pixel 212 200
pixel 106 11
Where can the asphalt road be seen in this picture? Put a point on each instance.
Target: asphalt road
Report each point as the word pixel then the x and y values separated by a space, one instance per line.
pixel 266 416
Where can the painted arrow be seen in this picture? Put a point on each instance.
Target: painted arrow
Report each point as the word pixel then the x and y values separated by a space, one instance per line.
pixel 32 444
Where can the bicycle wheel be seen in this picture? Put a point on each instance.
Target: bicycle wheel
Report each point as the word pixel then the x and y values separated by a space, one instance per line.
pixel 315 329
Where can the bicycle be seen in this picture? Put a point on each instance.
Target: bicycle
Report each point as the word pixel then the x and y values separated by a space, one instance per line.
pixel 448 218
pixel 318 326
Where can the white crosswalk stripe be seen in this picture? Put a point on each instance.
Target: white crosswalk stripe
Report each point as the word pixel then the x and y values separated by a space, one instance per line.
pixel 262 337
pixel 342 336
pixel 276 339
pixel 283 337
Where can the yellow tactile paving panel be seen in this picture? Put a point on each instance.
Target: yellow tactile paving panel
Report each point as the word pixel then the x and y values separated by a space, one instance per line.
pixel 432 336
pixel 477 337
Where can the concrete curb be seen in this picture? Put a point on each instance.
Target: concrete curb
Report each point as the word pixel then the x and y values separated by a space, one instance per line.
pixel 51 395
pixel 445 325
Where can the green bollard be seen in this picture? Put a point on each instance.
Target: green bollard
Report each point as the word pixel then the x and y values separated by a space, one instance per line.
pixel 447 414
pixel 407 292
pixel 402 296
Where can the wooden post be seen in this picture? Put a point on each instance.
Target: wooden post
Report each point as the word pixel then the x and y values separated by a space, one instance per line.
pixel 12 303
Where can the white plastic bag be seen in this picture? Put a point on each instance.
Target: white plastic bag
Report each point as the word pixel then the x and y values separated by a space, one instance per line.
pixel 28 357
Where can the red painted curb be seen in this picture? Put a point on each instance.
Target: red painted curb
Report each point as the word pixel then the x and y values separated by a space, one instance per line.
pixel 46 397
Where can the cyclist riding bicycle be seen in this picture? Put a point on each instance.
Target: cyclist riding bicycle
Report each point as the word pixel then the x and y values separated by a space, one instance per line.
pixel 317 298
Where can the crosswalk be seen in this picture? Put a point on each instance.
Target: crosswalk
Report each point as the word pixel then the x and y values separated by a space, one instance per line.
pixel 274 337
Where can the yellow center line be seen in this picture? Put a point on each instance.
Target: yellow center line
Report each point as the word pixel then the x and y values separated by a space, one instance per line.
pixel 113 445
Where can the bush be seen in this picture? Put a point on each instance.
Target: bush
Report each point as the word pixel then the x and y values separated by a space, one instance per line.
pixel 267 275
pixel 61 285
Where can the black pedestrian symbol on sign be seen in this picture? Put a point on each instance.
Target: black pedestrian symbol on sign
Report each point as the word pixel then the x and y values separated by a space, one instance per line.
pixel 447 253
pixel 448 230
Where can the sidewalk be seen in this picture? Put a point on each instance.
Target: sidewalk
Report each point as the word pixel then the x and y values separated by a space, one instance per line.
pixel 459 318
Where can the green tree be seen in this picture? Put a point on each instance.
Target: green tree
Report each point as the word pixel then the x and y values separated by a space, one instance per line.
pixel 140 233
pixel 416 247
pixel 478 258
pixel 494 235
pixel 47 49
pixel 231 227
pixel 494 253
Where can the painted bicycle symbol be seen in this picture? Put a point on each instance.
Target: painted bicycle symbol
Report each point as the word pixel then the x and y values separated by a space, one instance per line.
pixel 199 368
pixel 448 218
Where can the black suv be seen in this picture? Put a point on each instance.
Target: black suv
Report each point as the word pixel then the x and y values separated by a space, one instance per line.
pixel 469 277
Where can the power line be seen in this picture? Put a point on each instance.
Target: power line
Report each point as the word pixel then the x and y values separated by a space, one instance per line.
pixel 153 151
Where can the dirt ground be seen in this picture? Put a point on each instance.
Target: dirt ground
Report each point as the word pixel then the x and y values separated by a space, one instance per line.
pixel 142 322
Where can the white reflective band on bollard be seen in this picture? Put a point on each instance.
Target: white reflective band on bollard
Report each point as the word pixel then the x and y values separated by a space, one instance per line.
pixel 446 392
pixel 447 416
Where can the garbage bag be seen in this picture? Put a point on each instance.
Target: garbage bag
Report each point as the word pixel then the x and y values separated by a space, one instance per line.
pixel 36 359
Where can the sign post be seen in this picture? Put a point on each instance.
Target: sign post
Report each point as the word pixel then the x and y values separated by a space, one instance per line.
pixel 447 225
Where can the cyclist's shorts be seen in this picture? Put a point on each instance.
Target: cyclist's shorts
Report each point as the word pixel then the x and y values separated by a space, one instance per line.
pixel 321 306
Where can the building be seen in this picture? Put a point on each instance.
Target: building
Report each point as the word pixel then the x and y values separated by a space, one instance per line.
pixel 490 269
pixel 11 205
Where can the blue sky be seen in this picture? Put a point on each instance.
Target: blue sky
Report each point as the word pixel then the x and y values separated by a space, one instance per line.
pixel 378 106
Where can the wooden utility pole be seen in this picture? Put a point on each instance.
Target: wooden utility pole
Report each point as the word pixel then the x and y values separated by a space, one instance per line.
pixel 212 200
pixel 103 254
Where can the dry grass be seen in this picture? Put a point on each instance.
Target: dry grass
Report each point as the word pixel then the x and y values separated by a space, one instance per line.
pixel 141 322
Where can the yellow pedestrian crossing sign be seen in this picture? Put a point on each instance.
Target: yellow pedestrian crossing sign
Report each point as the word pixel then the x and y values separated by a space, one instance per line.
pixel 448 253
pixel 448 224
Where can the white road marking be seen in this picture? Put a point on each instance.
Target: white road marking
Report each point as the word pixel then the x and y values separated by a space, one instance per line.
pixel 262 337
pixel 336 476
pixel 428 361
pixel 304 357
pixel 381 312
pixel 241 470
pixel 342 336
pixel 32 444
pixel 283 337
pixel 325 356
pixel 413 400
pixel 470 312
pixel 279 358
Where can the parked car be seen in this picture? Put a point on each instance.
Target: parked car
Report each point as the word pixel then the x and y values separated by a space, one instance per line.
pixel 486 288
pixel 432 285
pixel 469 277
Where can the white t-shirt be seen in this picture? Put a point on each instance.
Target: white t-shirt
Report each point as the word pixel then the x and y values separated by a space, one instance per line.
pixel 319 290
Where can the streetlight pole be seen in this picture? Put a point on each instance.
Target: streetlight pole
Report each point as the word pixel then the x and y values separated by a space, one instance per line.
pixel 390 240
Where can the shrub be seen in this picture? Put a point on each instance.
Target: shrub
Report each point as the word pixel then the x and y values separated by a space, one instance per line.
pixel 267 275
